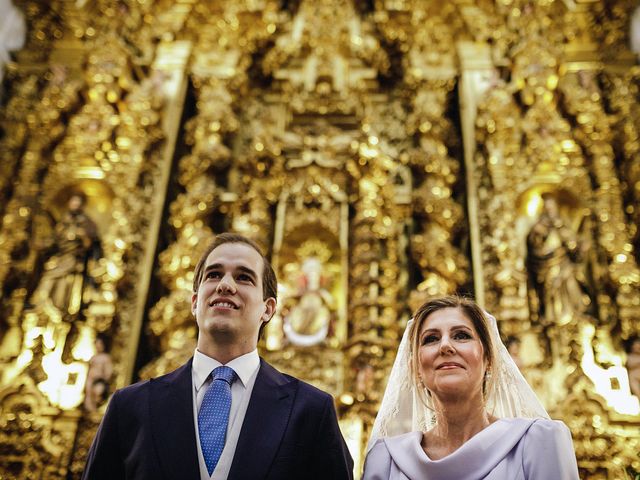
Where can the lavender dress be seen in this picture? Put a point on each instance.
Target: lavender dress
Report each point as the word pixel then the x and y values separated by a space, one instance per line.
pixel 508 449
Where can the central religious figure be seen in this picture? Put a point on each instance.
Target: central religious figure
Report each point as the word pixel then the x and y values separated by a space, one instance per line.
pixel 309 320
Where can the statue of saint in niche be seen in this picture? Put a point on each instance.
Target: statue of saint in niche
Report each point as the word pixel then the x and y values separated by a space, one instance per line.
pixel 513 347
pixel 98 376
pixel 309 320
pixel 555 258
pixel 633 364
pixel 60 289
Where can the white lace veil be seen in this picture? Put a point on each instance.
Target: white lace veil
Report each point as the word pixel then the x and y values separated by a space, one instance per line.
pixel 402 410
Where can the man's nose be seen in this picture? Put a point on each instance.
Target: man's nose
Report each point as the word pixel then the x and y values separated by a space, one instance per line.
pixel 226 284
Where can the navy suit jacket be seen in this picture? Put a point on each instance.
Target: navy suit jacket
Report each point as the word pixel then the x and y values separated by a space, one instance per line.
pixel 290 431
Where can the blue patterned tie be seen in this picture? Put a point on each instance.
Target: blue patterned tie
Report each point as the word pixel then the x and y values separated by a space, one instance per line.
pixel 213 416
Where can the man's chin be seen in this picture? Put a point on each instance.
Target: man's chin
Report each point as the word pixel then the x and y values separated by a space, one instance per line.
pixel 221 328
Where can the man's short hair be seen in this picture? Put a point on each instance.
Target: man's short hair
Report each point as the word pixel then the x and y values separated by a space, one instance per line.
pixel 269 281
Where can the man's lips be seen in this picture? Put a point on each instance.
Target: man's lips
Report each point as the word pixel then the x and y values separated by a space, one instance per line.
pixel 223 303
pixel 448 366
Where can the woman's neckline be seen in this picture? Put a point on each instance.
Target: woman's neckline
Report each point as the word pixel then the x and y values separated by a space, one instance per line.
pixel 493 421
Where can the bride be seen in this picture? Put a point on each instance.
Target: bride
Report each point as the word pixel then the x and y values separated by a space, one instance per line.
pixel 456 407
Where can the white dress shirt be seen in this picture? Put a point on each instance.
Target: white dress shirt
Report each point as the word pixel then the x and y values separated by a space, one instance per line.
pixel 246 367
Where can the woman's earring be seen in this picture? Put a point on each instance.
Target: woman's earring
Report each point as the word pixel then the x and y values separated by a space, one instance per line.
pixel 487 377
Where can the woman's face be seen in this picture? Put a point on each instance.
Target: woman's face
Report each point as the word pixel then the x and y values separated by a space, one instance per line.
pixel 450 354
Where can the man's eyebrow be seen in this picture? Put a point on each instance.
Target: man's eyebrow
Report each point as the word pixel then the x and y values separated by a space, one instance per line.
pixel 247 270
pixel 213 266
pixel 242 268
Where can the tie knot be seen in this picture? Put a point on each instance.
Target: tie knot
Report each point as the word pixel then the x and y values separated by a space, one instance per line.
pixel 224 373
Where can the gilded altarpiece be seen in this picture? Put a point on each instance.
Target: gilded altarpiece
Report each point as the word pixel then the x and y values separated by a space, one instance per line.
pixel 548 176
pixel 382 153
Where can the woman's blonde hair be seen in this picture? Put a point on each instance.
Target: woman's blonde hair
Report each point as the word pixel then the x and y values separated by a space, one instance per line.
pixel 473 312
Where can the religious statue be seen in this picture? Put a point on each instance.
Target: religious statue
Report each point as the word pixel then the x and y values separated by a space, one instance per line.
pixel 98 376
pixel 61 286
pixel 365 380
pixel 633 364
pixel 309 319
pixel 554 259
pixel 513 347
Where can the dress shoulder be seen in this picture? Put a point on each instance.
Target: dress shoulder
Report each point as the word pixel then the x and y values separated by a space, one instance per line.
pixel 377 465
pixel 548 451
pixel 543 429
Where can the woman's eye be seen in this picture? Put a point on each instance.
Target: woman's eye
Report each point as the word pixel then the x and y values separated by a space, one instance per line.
pixel 245 278
pixel 462 335
pixel 429 339
pixel 213 274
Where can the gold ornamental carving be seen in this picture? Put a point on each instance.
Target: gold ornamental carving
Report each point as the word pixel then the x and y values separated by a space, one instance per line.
pixel 381 153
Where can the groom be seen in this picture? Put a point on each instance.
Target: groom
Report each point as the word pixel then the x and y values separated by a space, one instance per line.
pixel 226 413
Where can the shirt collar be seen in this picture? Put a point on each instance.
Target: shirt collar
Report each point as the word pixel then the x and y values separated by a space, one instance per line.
pixel 245 366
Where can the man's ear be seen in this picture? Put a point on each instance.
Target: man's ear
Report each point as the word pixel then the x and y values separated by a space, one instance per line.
pixel 269 309
pixel 194 301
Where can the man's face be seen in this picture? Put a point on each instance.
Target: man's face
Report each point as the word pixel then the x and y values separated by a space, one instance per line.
pixel 229 305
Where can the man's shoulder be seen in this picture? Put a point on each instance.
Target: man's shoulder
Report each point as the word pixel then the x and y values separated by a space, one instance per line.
pixel 141 388
pixel 304 390
pixel 313 390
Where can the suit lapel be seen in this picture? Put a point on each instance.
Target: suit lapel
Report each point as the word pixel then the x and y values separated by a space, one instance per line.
pixel 171 415
pixel 264 423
